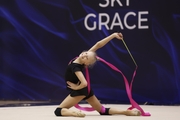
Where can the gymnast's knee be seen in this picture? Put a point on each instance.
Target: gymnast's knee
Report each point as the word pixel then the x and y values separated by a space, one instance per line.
pixel 57 112
pixel 104 111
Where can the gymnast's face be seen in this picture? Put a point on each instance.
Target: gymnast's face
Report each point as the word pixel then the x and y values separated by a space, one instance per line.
pixel 87 58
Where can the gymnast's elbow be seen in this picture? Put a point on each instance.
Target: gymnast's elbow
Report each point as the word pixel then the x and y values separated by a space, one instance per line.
pixel 98 44
pixel 83 84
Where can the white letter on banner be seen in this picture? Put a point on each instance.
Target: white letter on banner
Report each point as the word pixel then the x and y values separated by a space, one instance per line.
pixel 119 23
pixel 142 20
pixel 125 20
pixel 105 5
pixel 127 2
pixel 112 3
pixel 85 22
pixel 103 23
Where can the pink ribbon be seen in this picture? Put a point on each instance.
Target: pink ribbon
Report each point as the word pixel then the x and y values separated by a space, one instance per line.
pixel 128 89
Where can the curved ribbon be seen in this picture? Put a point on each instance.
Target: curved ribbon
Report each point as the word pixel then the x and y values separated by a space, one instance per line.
pixel 128 88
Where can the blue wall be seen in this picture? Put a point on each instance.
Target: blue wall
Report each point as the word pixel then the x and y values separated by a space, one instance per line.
pixel 39 37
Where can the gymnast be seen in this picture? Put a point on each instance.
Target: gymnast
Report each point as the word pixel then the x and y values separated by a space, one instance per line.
pixel 78 85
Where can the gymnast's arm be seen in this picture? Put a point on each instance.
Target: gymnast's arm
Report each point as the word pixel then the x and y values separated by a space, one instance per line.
pixel 83 82
pixel 104 41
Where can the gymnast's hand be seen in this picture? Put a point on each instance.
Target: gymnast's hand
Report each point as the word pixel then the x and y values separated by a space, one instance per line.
pixel 118 36
pixel 72 85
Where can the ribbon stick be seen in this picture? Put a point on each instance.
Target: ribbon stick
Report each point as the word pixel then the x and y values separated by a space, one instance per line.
pixel 129 52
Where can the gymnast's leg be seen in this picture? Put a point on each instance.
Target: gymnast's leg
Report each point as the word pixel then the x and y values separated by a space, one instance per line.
pixel 94 102
pixel 64 108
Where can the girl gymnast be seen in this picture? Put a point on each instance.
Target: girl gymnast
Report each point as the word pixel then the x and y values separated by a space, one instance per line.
pixel 77 84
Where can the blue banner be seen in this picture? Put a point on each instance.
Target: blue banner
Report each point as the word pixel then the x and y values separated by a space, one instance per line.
pixel 39 37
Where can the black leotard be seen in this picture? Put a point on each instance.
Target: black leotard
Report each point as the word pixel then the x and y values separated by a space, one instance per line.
pixel 71 76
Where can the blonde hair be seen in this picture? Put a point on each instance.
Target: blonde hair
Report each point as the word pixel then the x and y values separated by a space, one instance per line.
pixel 94 59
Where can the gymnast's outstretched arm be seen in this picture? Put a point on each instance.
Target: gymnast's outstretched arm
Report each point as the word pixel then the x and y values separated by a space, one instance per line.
pixel 104 41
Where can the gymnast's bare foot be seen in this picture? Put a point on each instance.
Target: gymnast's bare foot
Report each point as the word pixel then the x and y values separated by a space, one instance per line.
pixel 78 114
pixel 133 113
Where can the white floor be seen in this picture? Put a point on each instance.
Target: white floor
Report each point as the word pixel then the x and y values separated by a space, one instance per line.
pixel 47 113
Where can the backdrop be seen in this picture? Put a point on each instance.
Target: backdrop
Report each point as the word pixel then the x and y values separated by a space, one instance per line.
pixel 39 37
